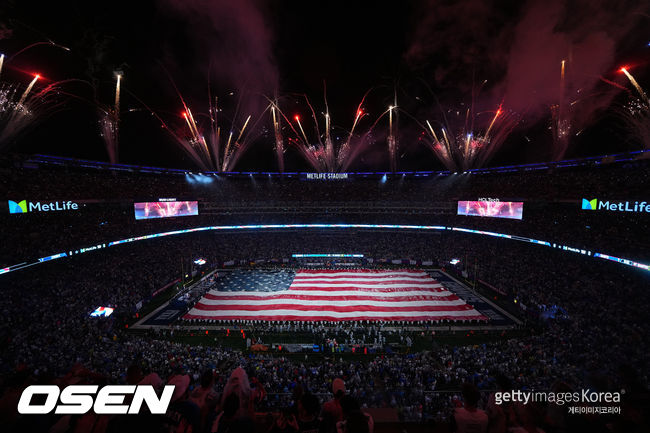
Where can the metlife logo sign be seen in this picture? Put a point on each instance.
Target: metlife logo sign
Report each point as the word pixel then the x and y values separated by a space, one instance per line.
pixel 25 206
pixel 622 206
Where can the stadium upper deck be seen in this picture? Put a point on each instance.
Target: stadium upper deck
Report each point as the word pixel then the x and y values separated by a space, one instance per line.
pixel 552 196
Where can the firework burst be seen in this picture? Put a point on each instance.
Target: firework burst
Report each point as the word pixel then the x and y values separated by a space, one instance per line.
pixel 109 122
pixel 636 118
pixel 561 124
pixel 636 85
pixel 209 147
pixel 2 61
pixel 330 150
pixel 21 110
pixel 279 138
pixel 391 139
pixel 466 139
pixel 636 113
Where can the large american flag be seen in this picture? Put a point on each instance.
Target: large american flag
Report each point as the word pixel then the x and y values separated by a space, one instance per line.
pixel 331 295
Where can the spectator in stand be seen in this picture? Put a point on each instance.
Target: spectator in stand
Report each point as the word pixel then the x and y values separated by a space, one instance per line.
pixel 183 415
pixel 332 409
pixel 285 422
pixel 308 410
pixel 354 419
pixel 498 415
pixel 239 384
pixel 205 398
pixel 469 418
pixel 228 420
pixel 527 418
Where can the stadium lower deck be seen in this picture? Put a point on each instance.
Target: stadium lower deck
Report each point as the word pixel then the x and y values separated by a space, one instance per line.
pixel 416 298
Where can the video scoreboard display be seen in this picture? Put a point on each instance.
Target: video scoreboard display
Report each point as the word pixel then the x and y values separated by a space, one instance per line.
pixel 492 209
pixel 165 209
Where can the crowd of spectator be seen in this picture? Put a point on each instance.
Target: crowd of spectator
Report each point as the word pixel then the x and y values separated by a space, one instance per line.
pixel 599 344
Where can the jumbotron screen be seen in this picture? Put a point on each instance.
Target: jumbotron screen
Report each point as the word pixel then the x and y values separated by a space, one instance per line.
pixel 165 209
pixel 494 209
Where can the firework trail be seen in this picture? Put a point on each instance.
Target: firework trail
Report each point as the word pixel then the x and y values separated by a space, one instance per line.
pixel 279 140
pixel 109 123
pixel 221 157
pixel 392 142
pixel 28 89
pixel 277 115
pixel 560 120
pixel 17 113
pixel 465 138
pixel 635 84
pixel 636 113
pixel 346 154
pixel 461 144
pixel 117 94
pixel 36 44
pixel 326 152
pixel 362 141
pixel 215 129
pixel 208 153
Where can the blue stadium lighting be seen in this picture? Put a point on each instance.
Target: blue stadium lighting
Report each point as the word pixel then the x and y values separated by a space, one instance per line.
pixel 384 178
pixel 332 255
pixel 53 257
pixel 623 261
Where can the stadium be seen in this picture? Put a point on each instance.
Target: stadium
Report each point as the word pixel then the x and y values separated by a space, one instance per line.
pixel 279 276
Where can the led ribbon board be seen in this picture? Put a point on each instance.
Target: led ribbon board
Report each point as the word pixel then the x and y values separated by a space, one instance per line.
pixel 623 261
pixel 301 256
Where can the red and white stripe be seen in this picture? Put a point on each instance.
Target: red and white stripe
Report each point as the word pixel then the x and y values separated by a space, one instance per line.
pixel 339 295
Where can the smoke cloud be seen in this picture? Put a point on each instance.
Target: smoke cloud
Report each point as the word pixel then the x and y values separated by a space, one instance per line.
pixel 235 42
pixel 519 51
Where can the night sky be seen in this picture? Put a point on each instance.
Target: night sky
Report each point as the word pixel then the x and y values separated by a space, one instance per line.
pixel 432 56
